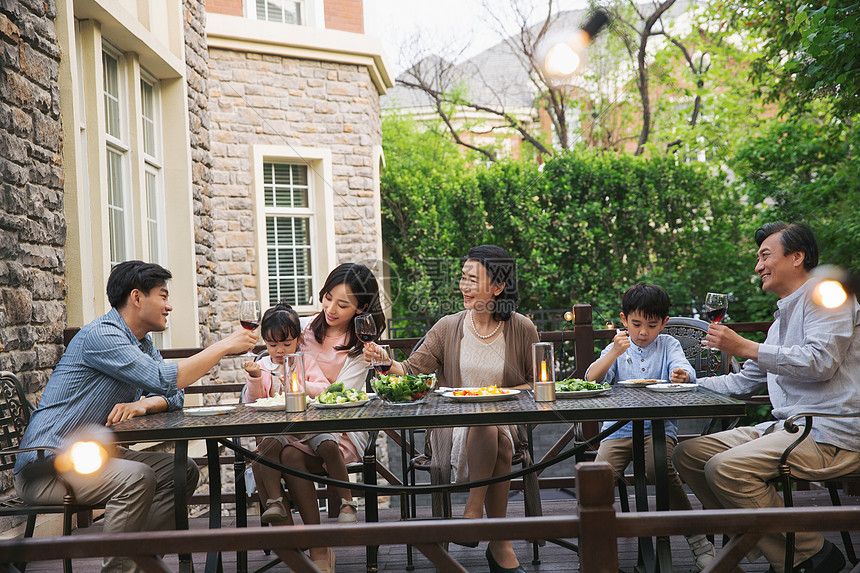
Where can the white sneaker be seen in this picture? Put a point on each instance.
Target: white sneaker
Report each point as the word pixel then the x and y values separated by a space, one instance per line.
pixel 703 550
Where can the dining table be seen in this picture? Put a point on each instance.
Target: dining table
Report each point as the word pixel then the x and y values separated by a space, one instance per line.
pixel 636 404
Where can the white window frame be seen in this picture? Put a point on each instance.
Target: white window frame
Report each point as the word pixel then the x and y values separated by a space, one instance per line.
pixel 320 211
pixel 312 13
pixel 156 247
pixel 122 147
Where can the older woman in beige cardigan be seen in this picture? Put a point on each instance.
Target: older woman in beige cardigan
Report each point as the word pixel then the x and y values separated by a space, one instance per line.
pixel 486 344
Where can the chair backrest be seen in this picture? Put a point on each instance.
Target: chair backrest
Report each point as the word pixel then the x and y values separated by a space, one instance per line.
pixel 14 416
pixel 707 362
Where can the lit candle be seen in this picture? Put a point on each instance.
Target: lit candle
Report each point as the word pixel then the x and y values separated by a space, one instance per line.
pixel 543 371
pixel 294 385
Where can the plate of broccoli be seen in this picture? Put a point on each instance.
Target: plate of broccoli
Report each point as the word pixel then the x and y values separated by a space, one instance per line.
pixel 579 388
pixel 336 396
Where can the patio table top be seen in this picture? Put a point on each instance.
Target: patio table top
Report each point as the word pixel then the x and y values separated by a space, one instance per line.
pixel 437 411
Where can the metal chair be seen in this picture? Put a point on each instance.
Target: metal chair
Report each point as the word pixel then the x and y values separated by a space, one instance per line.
pixel 786 480
pixel 15 412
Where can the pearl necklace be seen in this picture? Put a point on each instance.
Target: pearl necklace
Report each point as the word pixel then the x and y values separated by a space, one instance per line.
pixel 475 328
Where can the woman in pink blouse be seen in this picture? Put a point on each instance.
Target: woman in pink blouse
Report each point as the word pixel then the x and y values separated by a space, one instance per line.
pixel 333 353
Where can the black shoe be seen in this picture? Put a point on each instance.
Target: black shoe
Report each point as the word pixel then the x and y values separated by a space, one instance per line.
pixel 496 568
pixel 471 544
pixel 828 560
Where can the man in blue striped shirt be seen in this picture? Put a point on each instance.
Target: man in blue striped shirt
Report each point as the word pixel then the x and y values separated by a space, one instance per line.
pixel 112 372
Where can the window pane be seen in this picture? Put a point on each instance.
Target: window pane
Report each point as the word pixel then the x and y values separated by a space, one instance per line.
pixel 285 185
pixel 116 209
pixel 152 216
pixel 147 100
pixel 284 11
pixel 289 259
pixel 111 93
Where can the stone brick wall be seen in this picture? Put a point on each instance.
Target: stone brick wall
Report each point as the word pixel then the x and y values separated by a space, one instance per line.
pixel 272 100
pixel 32 223
pixel 197 77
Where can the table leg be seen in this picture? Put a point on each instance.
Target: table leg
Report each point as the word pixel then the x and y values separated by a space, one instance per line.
pixel 661 483
pixel 647 561
pixel 180 495
pixel 371 502
pixel 241 505
pixel 213 559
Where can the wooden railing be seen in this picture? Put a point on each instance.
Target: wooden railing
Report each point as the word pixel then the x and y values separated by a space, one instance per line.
pixel 596 525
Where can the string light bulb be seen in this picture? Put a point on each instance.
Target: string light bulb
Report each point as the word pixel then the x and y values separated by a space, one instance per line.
pixel 561 55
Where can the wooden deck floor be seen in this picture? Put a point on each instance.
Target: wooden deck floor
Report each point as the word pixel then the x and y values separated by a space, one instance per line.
pixel 394 558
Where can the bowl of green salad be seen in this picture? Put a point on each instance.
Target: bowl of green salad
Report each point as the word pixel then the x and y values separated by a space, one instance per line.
pixel 403 390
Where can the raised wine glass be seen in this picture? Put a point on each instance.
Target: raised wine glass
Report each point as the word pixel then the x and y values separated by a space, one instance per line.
pixel 365 327
pixel 382 359
pixel 716 306
pixel 249 317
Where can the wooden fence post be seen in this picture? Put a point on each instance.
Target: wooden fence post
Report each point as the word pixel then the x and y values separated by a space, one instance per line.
pixel 598 544
pixel 583 338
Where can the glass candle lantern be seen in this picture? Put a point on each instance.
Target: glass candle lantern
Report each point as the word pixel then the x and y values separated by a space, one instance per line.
pixel 294 382
pixel 544 371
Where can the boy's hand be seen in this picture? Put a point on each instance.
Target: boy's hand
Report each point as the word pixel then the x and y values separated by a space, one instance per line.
pixel 620 343
pixel 252 368
pixel 679 376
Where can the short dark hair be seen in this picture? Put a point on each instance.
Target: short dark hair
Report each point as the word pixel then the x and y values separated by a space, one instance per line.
pixel 131 275
pixel 502 268
pixel 365 289
pixel 650 301
pixel 280 323
pixel 796 238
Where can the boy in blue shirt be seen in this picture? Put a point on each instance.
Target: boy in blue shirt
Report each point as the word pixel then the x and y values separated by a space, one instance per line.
pixel 642 352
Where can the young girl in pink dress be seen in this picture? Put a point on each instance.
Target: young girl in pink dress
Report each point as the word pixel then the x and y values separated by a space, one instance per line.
pixel 333 353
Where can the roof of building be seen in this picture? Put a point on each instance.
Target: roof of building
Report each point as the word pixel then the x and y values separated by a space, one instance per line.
pixel 496 77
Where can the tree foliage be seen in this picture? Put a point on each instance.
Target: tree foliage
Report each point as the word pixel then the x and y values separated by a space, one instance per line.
pixel 583 227
pixel 809 50
pixel 806 169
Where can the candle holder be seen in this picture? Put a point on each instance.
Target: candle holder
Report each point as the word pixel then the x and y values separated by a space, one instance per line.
pixel 544 371
pixel 294 382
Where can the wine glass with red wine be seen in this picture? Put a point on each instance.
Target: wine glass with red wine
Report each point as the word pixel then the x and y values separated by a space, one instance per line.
pixel 365 327
pixel 716 305
pixel 382 359
pixel 249 317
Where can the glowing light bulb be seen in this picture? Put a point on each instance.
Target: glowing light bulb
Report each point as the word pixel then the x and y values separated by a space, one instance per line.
pixel 830 294
pixel 561 60
pixel 87 457
pixel 294 383
pixel 543 371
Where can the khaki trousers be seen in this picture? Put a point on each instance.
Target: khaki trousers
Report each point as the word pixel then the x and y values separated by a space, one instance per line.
pixel 619 453
pixel 732 470
pixel 136 488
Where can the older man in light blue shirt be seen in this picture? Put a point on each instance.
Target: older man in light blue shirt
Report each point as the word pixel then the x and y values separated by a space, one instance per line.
pixel 809 362
pixel 112 372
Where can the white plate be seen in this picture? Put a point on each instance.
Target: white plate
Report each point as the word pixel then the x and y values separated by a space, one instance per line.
pixel 443 389
pixel 581 393
pixel 671 387
pixel 487 398
pixel 342 404
pixel 644 384
pixel 272 407
pixel 208 410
